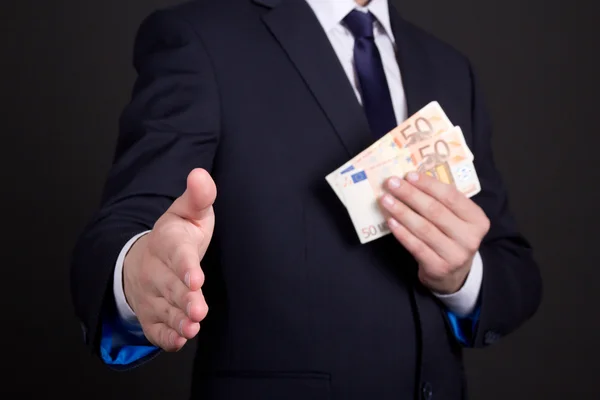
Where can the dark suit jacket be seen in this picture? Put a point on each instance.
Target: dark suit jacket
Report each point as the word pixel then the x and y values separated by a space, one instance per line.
pixel 252 91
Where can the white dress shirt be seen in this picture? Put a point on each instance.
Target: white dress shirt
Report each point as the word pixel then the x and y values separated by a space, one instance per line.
pixel 330 14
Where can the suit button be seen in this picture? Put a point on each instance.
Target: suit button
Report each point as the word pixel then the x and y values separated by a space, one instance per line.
pixel 426 391
pixel 491 337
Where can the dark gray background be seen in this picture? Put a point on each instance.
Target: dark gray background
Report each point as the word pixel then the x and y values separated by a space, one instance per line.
pixel 66 74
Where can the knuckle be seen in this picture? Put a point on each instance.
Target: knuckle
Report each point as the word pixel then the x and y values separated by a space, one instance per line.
pixel 190 270
pixel 472 243
pixel 434 272
pixel 153 334
pixel 170 314
pixel 170 290
pixel 399 211
pixel 144 310
pixel 466 258
pixel 443 269
pixel 485 225
pixel 459 260
pixel 406 191
pixel 418 249
pixel 424 229
pixel 186 298
pixel 401 234
pixel 435 210
pixel 452 196
pixel 167 339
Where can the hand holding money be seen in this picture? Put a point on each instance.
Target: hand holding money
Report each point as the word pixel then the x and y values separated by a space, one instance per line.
pixel 438 225
pixel 426 142
pixel 432 216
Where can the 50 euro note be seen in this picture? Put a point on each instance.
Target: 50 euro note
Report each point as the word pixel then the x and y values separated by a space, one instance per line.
pixel 447 158
pixel 439 149
pixel 426 142
pixel 383 149
pixel 426 123
pixel 444 156
pixel 362 189
pixel 449 146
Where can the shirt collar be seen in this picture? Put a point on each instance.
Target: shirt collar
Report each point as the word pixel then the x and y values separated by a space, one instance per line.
pixel 330 13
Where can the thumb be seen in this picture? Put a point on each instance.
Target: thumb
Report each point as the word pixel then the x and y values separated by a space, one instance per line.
pixel 195 203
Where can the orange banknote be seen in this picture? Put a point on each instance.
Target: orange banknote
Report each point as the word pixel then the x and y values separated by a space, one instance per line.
pixel 426 122
pixel 426 142
pixel 449 147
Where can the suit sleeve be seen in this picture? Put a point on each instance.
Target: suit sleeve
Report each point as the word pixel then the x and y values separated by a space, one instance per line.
pixel 511 288
pixel 170 126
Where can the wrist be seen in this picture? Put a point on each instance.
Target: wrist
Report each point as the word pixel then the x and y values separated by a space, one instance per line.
pixel 459 280
pixel 131 263
pixel 448 285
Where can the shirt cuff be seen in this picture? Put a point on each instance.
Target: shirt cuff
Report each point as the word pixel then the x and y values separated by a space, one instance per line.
pixel 463 302
pixel 125 313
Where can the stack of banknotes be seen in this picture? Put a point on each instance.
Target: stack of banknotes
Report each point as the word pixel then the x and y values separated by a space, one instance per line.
pixel 426 142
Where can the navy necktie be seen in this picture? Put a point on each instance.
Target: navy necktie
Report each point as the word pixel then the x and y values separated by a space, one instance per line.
pixel 373 85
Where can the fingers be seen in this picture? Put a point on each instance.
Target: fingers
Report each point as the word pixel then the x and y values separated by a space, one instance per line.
pixel 176 293
pixel 428 207
pixel 195 203
pixel 184 261
pixel 172 297
pixel 420 251
pixel 169 326
pixel 196 309
pixel 422 232
pixel 461 206
pixel 180 282
pixel 173 316
pixel 173 243
pixel 165 337
pixel 175 319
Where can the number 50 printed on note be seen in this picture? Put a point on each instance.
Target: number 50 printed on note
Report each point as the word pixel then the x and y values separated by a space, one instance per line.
pixel 362 189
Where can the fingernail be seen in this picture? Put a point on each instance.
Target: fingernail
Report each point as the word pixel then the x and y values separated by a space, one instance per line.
pixel 413 176
pixel 188 308
pixel 394 183
pixel 181 327
pixel 172 338
pixel 392 223
pixel 187 279
pixel 388 200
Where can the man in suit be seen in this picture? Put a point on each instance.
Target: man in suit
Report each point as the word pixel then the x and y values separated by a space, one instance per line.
pixel 258 100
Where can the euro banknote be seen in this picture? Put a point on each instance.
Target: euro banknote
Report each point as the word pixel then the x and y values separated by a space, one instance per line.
pixel 426 142
pixel 361 189
pixel 428 122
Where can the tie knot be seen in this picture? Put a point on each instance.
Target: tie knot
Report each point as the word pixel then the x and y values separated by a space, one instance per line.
pixel 360 24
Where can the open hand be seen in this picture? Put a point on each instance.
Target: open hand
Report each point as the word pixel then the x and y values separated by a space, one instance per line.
pixel 162 277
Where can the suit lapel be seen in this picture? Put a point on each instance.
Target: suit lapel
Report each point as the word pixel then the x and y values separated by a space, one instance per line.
pixel 299 33
pixel 414 65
